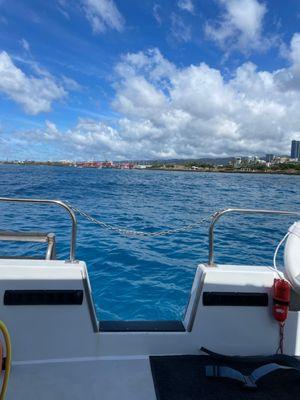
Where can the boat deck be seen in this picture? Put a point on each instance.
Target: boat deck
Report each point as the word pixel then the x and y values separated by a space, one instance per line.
pixel 183 378
pixel 141 378
pixel 91 379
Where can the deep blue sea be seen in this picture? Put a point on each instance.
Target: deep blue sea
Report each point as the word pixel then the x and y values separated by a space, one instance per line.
pixel 135 278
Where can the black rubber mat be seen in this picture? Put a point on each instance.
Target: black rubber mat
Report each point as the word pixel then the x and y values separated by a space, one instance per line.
pixel 183 378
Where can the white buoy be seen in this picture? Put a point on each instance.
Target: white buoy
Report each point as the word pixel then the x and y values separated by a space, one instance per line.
pixel 292 256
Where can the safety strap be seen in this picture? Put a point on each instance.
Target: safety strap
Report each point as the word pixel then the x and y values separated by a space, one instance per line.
pixel 281 359
pixel 248 381
pixel 273 363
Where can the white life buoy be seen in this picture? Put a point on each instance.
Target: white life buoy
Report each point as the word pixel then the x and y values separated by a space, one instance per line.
pixel 292 256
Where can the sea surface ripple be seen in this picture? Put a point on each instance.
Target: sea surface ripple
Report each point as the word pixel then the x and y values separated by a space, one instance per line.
pixel 135 278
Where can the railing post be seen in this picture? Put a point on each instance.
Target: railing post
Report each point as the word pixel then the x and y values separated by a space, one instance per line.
pixel 61 204
pixel 217 215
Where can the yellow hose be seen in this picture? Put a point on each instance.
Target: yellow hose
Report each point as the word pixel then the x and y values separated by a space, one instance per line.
pixel 6 336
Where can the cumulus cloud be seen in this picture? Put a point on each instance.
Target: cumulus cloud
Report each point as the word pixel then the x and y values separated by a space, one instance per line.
pixel 34 94
pixel 168 111
pixel 240 26
pixel 87 139
pixel 103 15
pixel 188 112
pixel 289 78
pixel 186 5
pixel 193 111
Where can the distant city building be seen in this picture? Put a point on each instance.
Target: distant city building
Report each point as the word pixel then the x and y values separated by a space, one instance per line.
pixel 281 160
pixel 269 158
pixel 237 162
pixel 295 149
pixel 142 166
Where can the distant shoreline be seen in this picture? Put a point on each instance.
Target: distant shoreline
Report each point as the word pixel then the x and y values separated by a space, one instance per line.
pixel 166 169
pixel 236 171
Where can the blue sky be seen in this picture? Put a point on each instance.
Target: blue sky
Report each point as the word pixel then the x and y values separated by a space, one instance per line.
pixel 104 79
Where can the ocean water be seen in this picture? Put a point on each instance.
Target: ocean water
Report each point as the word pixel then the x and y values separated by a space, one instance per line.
pixel 135 278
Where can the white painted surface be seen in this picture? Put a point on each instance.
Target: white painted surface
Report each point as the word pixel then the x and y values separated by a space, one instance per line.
pixel 91 380
pixel 43 331
pixel 51 332
pixel 57 351
pixel 238 330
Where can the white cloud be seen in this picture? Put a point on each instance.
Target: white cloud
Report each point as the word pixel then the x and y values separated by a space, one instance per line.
pixel 289 78
pixel 240 26
pixel 87 139
pixel 35 94
pixel 187 112
pixel 179 29
pixel 103 15
pixel 193 111
pixel 25 44
pixel 71 84
pixel 295 49
pixel 156 13
pixel 186 5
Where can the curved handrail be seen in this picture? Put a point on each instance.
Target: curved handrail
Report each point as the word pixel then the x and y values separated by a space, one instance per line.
pixel 59 203
pixel 219 214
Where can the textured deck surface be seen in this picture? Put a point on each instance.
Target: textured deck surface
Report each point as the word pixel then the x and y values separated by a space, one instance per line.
pixel 183 378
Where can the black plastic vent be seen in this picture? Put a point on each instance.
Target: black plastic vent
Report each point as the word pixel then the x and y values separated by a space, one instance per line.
pixel 235 299
pixel 42 297
pixel 141 326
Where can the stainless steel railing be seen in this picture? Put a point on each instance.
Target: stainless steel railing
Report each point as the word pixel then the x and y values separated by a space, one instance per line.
pixel 215 218
pixel 219 214
pixel 58 203
pixel 36 237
